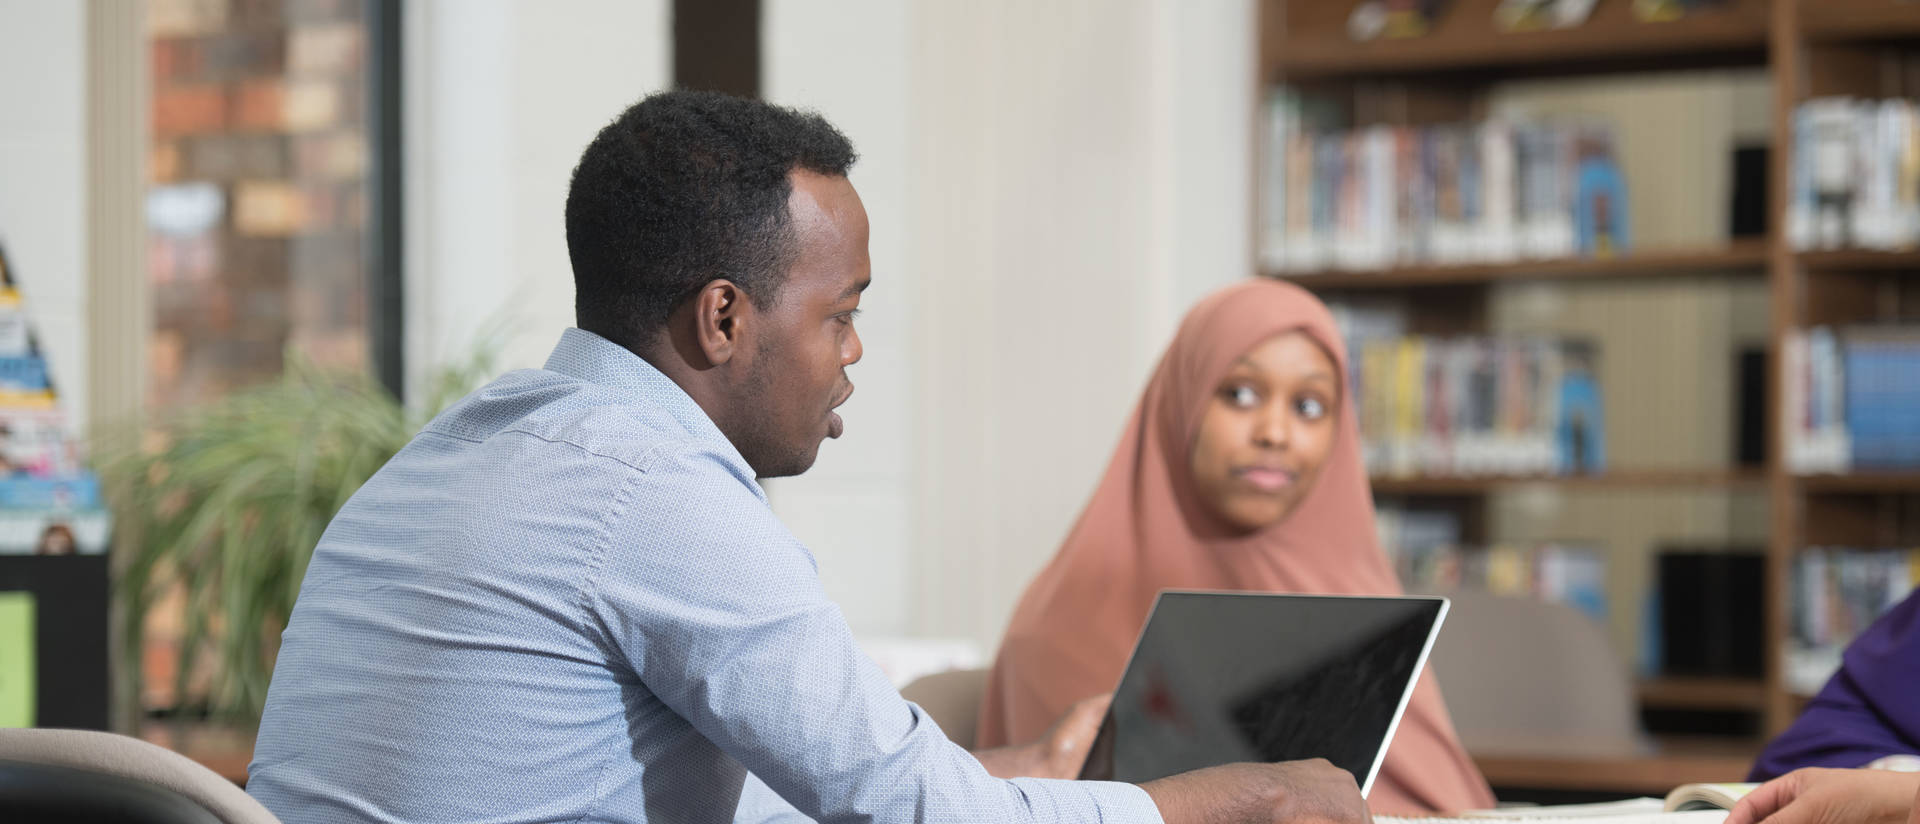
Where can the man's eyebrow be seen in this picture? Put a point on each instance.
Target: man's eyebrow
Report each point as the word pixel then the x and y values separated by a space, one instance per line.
pixel 856 289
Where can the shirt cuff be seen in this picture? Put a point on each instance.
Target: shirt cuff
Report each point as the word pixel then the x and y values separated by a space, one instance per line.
pixel 1108 802
pixel 1897 763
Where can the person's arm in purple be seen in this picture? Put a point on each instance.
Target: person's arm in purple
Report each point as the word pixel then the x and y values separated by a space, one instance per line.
pixel 1869 710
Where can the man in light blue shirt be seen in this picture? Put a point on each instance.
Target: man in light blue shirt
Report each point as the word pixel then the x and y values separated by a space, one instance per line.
pixel 567 600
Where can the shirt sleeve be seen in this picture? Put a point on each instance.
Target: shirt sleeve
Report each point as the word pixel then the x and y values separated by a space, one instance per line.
pixel 1867 711
pixel 720 613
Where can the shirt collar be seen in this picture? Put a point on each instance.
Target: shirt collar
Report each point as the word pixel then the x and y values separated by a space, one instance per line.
pixel 601 362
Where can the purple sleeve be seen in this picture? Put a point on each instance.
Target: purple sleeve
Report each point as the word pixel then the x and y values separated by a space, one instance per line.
pixel 1869 710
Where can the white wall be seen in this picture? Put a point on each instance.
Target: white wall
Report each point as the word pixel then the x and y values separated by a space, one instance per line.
pixel 501 98
pixel 850 60
pixel 1050 185
pixel 43 179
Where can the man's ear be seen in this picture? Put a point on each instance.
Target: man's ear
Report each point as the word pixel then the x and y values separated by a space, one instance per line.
pixel 719 313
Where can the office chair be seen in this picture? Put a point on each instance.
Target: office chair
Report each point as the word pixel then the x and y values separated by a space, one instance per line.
pixel 952 700
pixel 82 776
pixel 1523 675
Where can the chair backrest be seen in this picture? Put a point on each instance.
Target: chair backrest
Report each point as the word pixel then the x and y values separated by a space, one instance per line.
pixel 952 699
pixel 1524 674
pixel 71 773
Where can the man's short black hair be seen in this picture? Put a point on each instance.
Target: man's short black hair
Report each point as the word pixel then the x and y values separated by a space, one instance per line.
pixel 682 189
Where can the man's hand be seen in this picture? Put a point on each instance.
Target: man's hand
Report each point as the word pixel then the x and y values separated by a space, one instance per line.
pixel 1059 753
pixel 1291 792
pixel 1822 796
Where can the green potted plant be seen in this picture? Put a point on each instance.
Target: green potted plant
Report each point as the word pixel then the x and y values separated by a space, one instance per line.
pixel 226 502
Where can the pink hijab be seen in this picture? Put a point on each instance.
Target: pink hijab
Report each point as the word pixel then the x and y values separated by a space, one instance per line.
pixel 1145 530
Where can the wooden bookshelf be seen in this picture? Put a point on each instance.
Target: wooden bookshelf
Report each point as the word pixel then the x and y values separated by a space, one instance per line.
pixel 1742 257
pixel 1859 261
pixel 1313 43
pixel 1682 693
pixel 1809 48
pixel 1712 479
pixel 1835 21
pixel 1665 764
pixel 1872 483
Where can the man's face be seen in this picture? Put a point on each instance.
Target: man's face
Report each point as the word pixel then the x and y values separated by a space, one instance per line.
pixel 806 340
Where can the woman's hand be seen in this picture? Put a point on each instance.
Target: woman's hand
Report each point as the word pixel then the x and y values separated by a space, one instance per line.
pixel 1059 753
pixel 1823 796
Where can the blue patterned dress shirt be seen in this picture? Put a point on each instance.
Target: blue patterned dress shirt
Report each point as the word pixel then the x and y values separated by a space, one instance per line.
pixel 567 600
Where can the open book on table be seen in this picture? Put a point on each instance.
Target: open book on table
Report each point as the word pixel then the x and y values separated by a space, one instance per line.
pixel 1689 804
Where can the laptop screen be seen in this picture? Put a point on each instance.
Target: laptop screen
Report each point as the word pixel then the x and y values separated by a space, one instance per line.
pixel 1222 677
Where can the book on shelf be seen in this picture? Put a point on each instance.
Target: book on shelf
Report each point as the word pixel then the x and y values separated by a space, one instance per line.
pixel 1534 15
pixel 1490 192
pixel 1427 554
pixel 1707 613
pixel 1570 574
pixel 1856 174
pixel 1849 395
pixel 1833 594
pixel 1478 406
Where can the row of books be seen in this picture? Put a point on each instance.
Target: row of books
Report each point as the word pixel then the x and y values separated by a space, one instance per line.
pixel 1856 174
pixel 49 503
pixel 1479 406
pixel 1835 593
pixel 1849 396
pixel 1383 196
pixel 1428 556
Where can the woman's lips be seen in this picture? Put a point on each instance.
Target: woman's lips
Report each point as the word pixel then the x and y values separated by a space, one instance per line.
pixel 1265 478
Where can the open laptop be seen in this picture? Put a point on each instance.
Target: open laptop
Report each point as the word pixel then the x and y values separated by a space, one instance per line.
pixel 1220 677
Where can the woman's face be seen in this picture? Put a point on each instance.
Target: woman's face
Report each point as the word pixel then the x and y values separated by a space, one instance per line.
pixel 1266 431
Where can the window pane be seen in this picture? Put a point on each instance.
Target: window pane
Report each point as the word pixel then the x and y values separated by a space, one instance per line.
pixel 257 214
pixel 258 206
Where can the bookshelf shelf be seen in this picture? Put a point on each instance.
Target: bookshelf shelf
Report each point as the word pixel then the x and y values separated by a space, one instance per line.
pixel 1863 483
pixel 1837 21
pixel 1742 257
pixel 1713 479
pixel 1859 260
pixel 1689 693
pixel 1653 770
pixel 1317 47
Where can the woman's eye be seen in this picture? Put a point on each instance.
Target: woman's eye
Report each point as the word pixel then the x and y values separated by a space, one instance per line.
pixel 1243 396
pixel 1311 408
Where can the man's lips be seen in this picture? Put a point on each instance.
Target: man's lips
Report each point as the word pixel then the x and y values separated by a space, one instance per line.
pixel 835 426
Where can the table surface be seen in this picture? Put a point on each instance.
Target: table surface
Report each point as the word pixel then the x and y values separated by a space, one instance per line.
pixel 1665 764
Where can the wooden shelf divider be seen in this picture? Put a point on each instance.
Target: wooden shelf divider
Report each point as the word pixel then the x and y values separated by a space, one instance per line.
pixel 1689 693
pixel 1894 483
pixel 1833 21
pixel 1860 260
pixel 1670 762
pixel 1744 256
pixel 1706 478
pixel 1465 39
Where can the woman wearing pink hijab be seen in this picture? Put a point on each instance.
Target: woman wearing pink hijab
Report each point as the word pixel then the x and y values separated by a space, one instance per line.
pixel 1239 470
